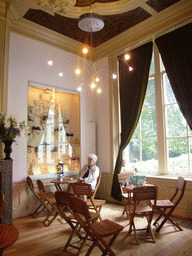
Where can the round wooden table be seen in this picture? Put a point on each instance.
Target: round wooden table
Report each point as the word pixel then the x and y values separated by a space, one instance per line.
pixel 8 235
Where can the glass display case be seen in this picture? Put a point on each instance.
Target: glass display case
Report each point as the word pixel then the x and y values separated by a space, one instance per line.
pixel 54 127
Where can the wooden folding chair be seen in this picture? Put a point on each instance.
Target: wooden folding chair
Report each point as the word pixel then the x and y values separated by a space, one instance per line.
pixel 166 207
pixel 50 204
pixel 42 205
pixel 97 231
pixel 2 204
pixel 122 177
pixel 94 191
pixel 138 209
pixel 63 199
pixel 84 189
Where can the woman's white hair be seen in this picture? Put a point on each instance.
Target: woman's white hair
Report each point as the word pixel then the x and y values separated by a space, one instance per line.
pixel 94 157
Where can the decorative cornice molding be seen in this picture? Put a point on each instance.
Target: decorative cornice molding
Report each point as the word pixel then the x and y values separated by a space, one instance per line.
pixel 58 6
pixel 3 10
pixel 104 8
pixel 148 30
pixel 38 32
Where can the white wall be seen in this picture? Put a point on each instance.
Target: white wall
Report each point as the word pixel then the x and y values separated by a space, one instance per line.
pixel 28 61
pixel 103 117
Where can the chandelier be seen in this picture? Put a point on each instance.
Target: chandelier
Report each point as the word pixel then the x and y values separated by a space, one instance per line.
pixel 90 22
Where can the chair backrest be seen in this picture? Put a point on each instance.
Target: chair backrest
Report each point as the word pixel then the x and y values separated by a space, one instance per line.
pixel 30 183
pixel 181 183
pixel 80 188
pixel 97 185
pixel 124 176
pixel 2 204
pixel 63 199
pixel 144 193
pixel 79 207
pixel 31 187
pixel 41 186
pixel 180 187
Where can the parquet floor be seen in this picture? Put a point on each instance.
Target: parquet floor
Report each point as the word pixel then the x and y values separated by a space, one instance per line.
pixel 37 240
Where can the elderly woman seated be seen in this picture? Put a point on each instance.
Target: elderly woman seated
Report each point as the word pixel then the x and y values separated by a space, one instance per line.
pixel 90 172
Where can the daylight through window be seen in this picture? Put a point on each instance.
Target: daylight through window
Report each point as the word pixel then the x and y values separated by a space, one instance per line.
pixel 162 141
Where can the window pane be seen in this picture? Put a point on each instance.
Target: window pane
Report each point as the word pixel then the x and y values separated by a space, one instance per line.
pixel 169 95
pixel 150 94
pixel 152 67
pixel 148 123
pixel 49 155
pixel 149 156
pixel 136 133
pixel 190 132
pixel 177 156
pixel 132 151
pixel 176 124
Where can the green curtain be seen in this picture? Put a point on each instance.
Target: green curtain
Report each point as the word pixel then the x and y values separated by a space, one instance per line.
pixel 133 86
pixel 176 52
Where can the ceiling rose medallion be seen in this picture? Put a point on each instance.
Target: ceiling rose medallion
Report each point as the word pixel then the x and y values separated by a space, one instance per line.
pixel 58 6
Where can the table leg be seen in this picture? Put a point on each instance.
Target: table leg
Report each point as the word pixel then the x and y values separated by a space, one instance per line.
pixel 58 187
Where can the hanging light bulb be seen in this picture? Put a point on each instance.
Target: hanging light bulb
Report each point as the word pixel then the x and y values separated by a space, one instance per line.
pixel 99 90
pixel 93 85
pixel 130 68
pixel 85 50
pixel 77 71
pixel 61 74
pixel 127 56
pixel 50 62
pixel 97 79
pixel 114 76
pixel 79 89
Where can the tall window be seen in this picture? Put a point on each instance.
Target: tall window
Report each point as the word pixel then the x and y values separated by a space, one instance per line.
pixel 162 141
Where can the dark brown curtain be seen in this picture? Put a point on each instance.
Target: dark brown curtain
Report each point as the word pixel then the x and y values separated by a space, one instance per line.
pixel 133 85
pixel 176 52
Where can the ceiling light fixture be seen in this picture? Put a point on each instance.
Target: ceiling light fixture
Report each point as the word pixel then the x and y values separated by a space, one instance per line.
pixel 127 56
pixel 50 62
pixel 77 71
pixel 91 22
pixel 97 79
pixel 85 50
pixel 130 68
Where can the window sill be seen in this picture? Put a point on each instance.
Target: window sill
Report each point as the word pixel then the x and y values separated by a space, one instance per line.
pixel 52 175
pixel 169 176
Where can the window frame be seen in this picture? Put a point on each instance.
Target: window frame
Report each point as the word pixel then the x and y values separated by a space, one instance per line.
pixel 162 138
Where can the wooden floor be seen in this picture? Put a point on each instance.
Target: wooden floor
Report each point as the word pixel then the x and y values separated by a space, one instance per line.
pixel 37 240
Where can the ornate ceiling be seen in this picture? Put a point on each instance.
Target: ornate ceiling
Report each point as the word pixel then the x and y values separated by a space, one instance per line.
pixel 119 15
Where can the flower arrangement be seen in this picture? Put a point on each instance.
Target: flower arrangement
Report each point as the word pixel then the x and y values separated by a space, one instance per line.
pixel 134 167
pixel 10 128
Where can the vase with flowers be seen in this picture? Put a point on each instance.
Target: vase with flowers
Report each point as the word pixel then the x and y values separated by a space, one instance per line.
pixel 9 130
pixel 134 166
